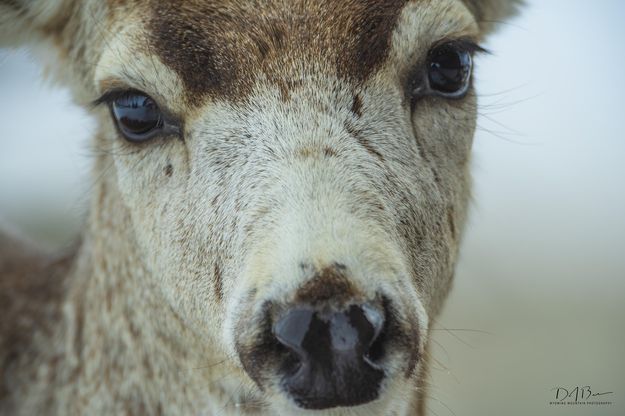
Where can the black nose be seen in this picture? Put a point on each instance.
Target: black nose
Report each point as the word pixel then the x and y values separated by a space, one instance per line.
pixel 332 361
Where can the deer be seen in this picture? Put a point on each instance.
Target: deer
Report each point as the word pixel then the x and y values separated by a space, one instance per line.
pixel 276 213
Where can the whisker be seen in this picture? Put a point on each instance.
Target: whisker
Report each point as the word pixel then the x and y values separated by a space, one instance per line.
pixel 480 331
pixel 205 367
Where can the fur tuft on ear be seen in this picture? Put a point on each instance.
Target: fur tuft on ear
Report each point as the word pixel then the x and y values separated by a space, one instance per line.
pixel 490 13
pixel 24 20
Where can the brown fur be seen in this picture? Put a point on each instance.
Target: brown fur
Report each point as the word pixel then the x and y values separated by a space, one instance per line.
pixel 330 284
pixel 31 290
pixel 490 13
pixel 218 48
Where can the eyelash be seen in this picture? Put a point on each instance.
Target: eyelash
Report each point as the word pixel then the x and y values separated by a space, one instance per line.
pixel 462 44
pixel 419 82
pixel 423 81
pixel 110 96
pixel 167 124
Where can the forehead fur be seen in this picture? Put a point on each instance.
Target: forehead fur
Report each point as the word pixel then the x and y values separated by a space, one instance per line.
pixel 220 47
pixel 490 13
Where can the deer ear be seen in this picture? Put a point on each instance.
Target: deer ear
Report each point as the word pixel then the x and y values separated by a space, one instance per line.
pixel 490 13
pixel 23 21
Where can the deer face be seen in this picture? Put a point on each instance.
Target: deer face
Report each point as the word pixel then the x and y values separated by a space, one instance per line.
pixel 295 176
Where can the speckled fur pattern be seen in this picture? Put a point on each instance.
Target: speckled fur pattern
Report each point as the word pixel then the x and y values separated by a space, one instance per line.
pixel 298 152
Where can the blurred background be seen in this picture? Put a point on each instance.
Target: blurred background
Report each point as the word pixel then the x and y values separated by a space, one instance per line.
pixel 539 296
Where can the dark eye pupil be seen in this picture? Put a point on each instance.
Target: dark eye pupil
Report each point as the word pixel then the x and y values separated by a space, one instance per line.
pixel 136 115
pixel 449 70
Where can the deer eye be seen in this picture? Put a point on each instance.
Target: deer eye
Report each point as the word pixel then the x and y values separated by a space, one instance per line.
pixel 449 70
pixel 137 116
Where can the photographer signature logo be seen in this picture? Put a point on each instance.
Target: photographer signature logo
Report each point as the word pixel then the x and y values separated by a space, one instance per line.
pixel 580 395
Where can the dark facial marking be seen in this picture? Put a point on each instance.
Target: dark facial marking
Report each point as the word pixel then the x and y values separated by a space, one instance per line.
pixel 372 29
pixel 285 95
pixel 451 222
pixel 328 151
pixel 169 170
pixel 185 36
pixel 329 284
pixel 261 344
pixel 220 49
pixel 400 334
pixel 357 106
pixel 356 134
pixel 426 160
pixel 218 280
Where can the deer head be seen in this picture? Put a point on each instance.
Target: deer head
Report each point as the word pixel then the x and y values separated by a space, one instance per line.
pixel 292 176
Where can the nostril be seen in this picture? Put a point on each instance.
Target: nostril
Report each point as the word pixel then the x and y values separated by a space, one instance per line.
pixel 291 332
pixel 356 331
pixel 375 317
pixel 293 328
pixel 376 350
pixel 326 355
pixel 364 328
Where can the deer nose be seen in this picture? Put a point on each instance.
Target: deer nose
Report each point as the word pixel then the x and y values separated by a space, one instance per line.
pixel 331 362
